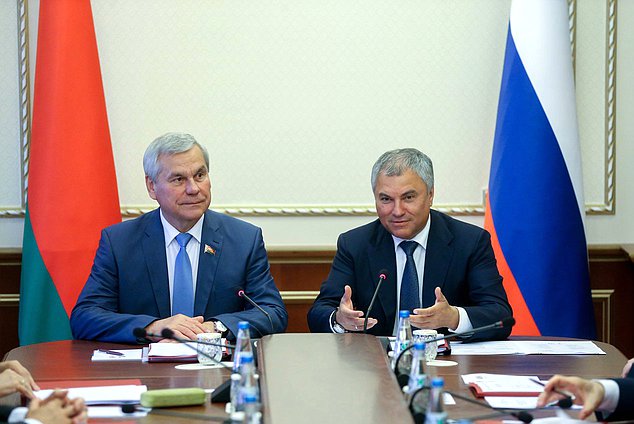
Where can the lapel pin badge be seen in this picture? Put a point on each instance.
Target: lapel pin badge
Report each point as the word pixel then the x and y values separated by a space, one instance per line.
pixel 210 250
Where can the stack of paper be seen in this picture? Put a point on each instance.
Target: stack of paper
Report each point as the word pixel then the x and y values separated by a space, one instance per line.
pixel 102 395
pixel 172 352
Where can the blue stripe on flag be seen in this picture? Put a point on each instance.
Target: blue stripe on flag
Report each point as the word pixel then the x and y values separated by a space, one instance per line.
pixel 535 211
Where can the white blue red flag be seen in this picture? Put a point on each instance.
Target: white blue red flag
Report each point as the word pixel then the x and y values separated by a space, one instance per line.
pixel 535 208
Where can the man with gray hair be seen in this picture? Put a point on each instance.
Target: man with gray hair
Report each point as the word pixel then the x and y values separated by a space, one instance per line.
pixel 440 269
pixel 180 266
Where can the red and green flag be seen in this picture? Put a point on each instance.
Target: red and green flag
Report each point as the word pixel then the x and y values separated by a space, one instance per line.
pixel 72 185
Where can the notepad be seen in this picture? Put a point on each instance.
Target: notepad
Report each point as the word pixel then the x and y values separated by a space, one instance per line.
pixel 172 352
pixel 126 355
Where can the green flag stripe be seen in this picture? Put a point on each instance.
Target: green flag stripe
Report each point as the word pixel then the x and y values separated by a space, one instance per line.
pixel 42 315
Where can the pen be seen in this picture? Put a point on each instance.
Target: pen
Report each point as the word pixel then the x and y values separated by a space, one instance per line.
pixel 111 352
pixel 566 402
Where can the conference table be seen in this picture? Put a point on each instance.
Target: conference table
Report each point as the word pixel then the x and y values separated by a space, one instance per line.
pixel 311 378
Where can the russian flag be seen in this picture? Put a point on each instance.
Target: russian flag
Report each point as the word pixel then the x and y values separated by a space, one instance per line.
pixel 535 207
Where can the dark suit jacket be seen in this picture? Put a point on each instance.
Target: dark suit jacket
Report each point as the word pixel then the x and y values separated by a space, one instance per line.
pixel 5 411
pixel 625 408
pixel 459 260
pixel 128 284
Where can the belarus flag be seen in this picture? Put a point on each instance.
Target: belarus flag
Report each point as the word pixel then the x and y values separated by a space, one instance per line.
pixel 72 191
pixel 535 207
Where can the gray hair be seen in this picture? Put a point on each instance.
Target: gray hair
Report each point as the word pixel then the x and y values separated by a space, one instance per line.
pixel 168 144
pixel 397 162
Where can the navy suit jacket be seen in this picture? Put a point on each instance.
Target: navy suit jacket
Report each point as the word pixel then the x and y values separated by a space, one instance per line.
pixel 459 260
pixel 128 284
pixel 625 407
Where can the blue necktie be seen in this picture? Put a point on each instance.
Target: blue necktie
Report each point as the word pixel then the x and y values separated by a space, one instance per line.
pixel 183 290
pixel 410 297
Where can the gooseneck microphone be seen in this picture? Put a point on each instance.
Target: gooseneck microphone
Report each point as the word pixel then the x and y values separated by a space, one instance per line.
pixel 504 323
pixel 166 333
pixel 241 293
pixel 382 277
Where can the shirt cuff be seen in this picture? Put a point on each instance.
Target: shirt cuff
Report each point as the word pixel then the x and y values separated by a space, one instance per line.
pixel 464 323
pixel 338 329
pixel 18 415
pixel 611 396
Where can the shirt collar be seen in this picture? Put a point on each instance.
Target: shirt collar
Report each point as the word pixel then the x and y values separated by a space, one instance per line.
pixel 420 238
pixel 170 232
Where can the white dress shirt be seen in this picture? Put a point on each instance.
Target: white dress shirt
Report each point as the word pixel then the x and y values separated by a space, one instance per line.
pixel 172 248
pixel 464 323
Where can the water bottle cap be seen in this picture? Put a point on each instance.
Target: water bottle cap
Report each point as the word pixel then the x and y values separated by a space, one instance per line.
pixel 243 325
pixel 419 345
pixel 403 314
pixel 246 357
pixel 437 382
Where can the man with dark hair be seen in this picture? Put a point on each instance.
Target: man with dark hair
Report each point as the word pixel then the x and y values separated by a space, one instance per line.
pixel 440 269
pixel 180 266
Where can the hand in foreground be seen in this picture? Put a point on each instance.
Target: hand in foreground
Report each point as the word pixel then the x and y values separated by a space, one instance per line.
pixel 12 382
pixel 184 327
pixel 586 392
pixel 442 314
pixel 627 368
pixel 347 316
pixel 20 370
pixel 58 408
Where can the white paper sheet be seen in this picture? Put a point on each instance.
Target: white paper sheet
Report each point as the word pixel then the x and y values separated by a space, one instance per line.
pixel 527 347
pixel 126 355
pixel 102 395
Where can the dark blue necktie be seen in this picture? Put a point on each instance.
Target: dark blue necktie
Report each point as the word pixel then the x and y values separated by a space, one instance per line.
pixel 410 297
pixel 183 290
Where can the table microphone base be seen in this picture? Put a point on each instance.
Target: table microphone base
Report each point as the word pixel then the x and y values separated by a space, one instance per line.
pixel 222 393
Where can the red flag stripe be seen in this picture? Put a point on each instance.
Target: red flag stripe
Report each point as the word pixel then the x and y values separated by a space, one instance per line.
pixel 72 183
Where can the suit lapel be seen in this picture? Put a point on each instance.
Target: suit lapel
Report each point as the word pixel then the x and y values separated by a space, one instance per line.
pixel 154 253
pixel 381 256
pixel 210 251
pixel 437 258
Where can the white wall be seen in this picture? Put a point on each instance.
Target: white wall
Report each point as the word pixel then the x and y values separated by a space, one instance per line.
pixel 296 99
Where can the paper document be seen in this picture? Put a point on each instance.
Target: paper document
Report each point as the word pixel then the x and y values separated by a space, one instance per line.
pixel 116 355
pixel 172 352
pixel 502 385
pixel 514 402
pixel 102 395
pixel 527 347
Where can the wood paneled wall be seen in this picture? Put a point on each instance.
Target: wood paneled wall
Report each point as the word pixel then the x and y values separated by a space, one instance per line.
pixel 299 275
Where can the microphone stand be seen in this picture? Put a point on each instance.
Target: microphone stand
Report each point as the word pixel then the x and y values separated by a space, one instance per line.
pixel 382 277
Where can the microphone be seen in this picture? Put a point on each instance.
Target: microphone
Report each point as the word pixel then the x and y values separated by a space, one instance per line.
pixel 166 333
pixel 523 416
pixel 382 277
pixel 241 293
pixel 504 323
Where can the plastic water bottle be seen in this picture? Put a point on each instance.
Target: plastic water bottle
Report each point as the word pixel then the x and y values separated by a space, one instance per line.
pixel 248 385
pixel 235 386
pixel 252 414
pixel 403 340
pixel 417 374
pixel 243 345
pixel 436 408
